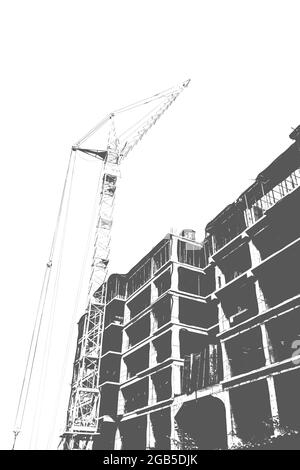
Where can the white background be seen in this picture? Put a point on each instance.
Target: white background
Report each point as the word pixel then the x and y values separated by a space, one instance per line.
pixel 64 65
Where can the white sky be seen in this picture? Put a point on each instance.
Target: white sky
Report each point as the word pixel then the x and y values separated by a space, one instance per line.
pixel 64 65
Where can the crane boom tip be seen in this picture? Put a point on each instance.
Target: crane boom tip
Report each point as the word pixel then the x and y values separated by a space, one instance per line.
pixel 186 83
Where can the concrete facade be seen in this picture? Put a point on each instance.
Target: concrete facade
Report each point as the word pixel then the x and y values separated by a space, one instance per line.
pixel 201 342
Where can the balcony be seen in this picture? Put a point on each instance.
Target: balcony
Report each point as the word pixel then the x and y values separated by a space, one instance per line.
pixel 116 287
pixel 149 267
pixel 192 253
pixel 285 187
pixel 245 212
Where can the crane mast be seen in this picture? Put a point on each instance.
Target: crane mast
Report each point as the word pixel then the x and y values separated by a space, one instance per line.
pixel 83 408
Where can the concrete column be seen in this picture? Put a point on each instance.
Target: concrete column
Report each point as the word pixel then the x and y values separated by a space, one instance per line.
pixel 174 277
pixel 121 404
pixel 123 371
pixel 224 323
pixel 152 393
pixel 175 309
pixel 154 292
pixel 254 254
pixel 220 277
pixel 175 440
pixel 153 323
pixel 267 346
pixel 118 440
pixel 176 380
pixel 261 302
pixel 232 438
pixel 174 248
pixel 125 341
pixel 273 405
pixel 152 355
pixel 126 314
pixel 226 363
pixel 150 439
pixel 175 342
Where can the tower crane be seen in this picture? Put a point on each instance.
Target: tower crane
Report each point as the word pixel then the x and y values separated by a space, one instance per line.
pixel 84 401
pixel 84 398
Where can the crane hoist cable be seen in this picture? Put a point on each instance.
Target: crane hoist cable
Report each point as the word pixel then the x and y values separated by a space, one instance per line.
pixel 31 356
pixel 48 340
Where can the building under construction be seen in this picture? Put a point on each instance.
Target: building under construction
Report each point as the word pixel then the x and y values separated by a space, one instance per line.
pixel 201 340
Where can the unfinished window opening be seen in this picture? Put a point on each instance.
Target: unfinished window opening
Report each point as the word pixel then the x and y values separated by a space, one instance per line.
pixel 140 302
pixel 278 235
pixel 109 400
pixel 190 281
pixel 201 424
pixel 133 433
pixel 137 361
pixel 162 256
pixel 136 395
pixel 240 303
pixel 161 428
pixel 203 369
pixel 284 332
pixel 280 280
pixel 245 352
pixel 191 342
pixel 110 368
pixel 139 277
pixel 287 386
pixel 116 287
pixel 161 312
pixel 163 282
pixel 112 339
pixel 196 313
pixel 209 245
pixel 208 282
pixel 114 312
pixel 254 210
pixel 162 382
pixel 191 253
pixel 139 330
pixel 162 346
pixel 230 226
pixel 236 263
pixel 272 193
pixel 251 410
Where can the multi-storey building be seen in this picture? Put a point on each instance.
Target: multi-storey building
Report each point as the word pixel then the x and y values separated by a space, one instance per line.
pixel 201 342
pixel 156 315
